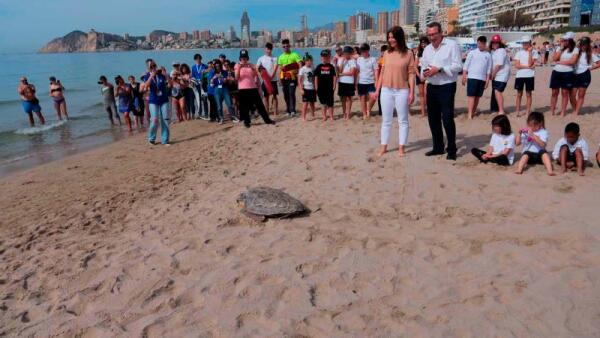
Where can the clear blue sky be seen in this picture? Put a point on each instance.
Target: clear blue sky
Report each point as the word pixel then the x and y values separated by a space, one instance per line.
pixel 26 25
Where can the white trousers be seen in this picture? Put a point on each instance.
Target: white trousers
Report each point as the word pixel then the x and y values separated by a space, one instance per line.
pixel 394 98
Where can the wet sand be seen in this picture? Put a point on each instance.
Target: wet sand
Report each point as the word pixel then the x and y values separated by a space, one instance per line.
pixel 130 240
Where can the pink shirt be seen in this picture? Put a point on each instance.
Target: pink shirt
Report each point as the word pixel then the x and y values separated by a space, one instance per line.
pixel 247 78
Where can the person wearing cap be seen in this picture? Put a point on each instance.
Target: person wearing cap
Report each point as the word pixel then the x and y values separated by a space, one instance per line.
pixel 108 93
pixel 441 63
pixel 476 76
pixel 367 69
pixel 525 60
pixel 248 81
pixel 397 88
pixel 347 78
pixel 269 63
pixel 30 102
pixel 58 96
pixel 325 84
pixel 199 69
pixel 563 76
pixel 587 62
pixel 289 62
pixel 500 73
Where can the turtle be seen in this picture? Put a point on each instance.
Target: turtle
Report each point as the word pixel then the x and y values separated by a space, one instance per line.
pixel 261 203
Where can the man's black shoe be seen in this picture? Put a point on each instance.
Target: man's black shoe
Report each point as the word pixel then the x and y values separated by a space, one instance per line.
pixel 451 157
pixel 434 153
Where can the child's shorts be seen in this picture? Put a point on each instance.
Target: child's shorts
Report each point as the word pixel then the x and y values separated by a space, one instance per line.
pixel 535 158
pixel 326 97
pixel 310 95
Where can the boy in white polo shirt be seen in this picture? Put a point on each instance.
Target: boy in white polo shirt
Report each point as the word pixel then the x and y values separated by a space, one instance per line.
pixel 476 74
pixel 572 150
pixel 525 60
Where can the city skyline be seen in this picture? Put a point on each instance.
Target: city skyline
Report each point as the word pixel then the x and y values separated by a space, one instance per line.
pixel 214 15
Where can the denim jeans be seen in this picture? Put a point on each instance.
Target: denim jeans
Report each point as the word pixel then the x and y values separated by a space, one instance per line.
pixel 222 94
pixel 159 112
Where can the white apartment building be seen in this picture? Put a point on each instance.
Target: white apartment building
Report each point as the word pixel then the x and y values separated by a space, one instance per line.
pixel 427 10
pixel 471 14
pixel 480 15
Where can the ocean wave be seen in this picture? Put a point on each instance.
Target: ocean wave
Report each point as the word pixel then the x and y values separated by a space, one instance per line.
pixel 9 102
pixel 40 129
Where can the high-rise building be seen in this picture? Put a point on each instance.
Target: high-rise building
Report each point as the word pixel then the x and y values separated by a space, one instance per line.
pixel 245 29
pixel 339 31
pixel 547 14
pixel 183 36
pixel 304 25
pixel 395 18
pixel 383 22
pixel 427 11
pixel 351 25
pixel 364 21
pixel 205 35
pixel 407 9
pixel 196 35
pixel 585 13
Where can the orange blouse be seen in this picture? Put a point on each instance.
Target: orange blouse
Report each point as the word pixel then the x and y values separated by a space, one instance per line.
pixel 396 69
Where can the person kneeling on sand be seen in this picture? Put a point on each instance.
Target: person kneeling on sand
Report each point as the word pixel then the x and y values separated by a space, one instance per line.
pixel 502 145
pixel 572 150
pixel 534 139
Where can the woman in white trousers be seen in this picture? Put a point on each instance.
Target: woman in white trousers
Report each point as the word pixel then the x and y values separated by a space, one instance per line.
pixel 397 88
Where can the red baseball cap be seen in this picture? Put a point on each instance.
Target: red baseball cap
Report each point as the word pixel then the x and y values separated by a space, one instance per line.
pixel 496 38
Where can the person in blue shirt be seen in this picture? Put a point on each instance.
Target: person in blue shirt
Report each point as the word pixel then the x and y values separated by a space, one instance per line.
pixel 157 82
pixel 211 91
pixel 199 70
pixel 219 84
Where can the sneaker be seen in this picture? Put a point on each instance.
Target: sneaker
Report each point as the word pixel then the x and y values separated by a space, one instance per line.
pixel 152 143
pixel 235 120
pixel 167 144
pixel 220 121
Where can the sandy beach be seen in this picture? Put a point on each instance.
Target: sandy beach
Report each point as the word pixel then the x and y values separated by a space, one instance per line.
pixel 131 240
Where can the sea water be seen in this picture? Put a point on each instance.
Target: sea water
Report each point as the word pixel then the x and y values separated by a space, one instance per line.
pixel 22 146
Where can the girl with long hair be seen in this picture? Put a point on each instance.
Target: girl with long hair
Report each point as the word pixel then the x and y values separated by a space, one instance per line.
pixel 397 87
pixel 562 78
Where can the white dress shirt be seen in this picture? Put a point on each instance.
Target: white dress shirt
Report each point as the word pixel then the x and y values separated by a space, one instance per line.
pixel 447 58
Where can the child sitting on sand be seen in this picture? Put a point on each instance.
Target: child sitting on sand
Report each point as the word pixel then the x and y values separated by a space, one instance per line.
pixel 534 139
pixel 502 145
pixel 572 150
pixel 306 82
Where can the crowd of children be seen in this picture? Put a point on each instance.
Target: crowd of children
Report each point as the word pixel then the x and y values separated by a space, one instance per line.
pixel 571 152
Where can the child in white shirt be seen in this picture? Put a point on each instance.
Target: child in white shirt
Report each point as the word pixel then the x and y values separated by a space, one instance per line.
pixel 306 82
pixel 502 145
pixel 534 139
pixel 571 151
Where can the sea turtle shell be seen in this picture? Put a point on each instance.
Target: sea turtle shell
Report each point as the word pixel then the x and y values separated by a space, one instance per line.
pixel 269 202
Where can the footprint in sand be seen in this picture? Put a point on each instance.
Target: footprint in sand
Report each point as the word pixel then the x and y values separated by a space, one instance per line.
pixel 564 188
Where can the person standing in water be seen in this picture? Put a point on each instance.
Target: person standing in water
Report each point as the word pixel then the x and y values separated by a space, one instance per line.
pixel 137 104
pixel 123 93
pixel 107 90
pixel 31 104
pixel 57 95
